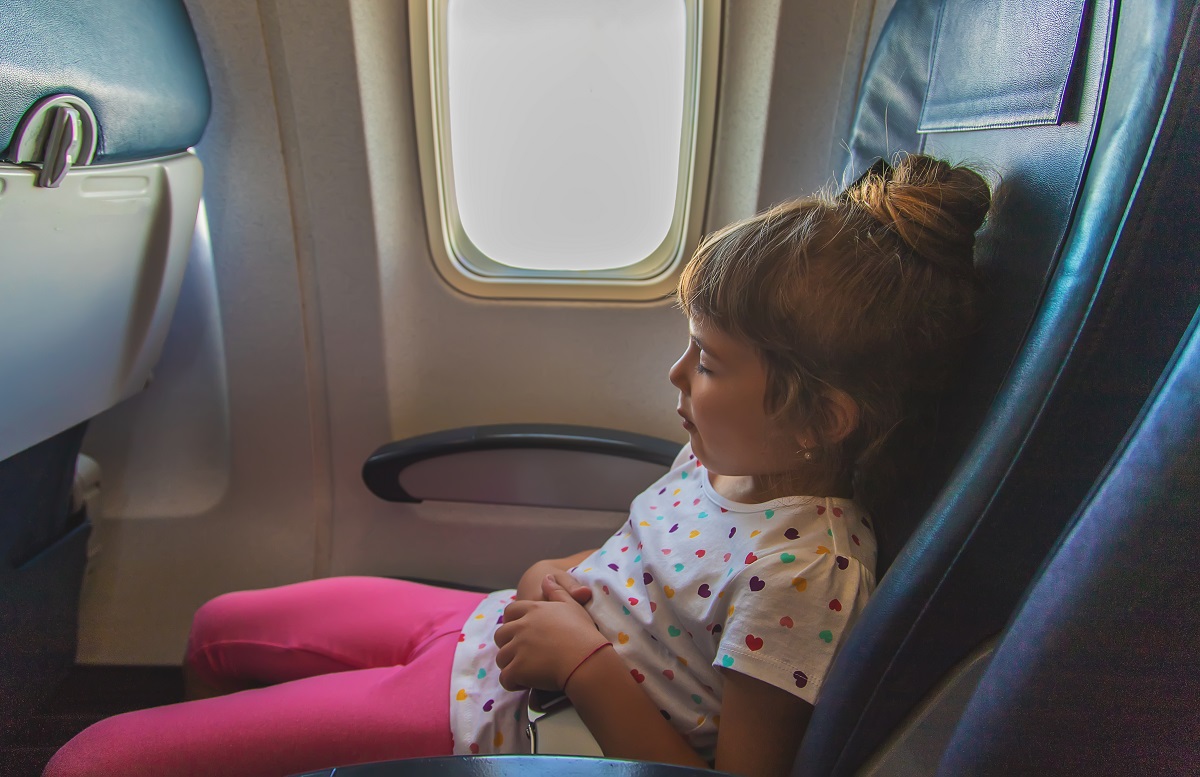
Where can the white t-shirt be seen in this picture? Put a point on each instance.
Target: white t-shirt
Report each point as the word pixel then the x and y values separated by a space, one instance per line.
pixel 690 584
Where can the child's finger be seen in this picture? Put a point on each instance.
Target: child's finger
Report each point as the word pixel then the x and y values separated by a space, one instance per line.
pixel 579 592
pixel 516 610
pixel 554 592
pixel 503 635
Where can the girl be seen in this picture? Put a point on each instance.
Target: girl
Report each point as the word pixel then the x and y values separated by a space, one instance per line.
pixel 701 632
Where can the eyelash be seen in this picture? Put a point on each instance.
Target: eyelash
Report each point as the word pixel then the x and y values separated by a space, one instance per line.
pixel 702 370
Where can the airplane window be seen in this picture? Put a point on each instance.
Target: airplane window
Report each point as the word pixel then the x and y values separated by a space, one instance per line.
pixel 569 141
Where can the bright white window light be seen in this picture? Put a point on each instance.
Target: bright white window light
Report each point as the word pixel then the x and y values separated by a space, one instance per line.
pixel 566 119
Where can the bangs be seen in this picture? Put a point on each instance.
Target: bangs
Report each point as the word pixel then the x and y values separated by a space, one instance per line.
pixel 709 287
pixel 745 278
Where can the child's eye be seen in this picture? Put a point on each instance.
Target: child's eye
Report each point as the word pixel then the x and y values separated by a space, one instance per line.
pixel 702 370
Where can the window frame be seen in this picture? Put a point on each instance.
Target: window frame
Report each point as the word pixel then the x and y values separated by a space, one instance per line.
pixel 468 269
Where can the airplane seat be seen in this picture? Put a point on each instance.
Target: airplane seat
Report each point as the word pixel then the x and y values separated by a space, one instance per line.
pixel 1096 674
pixel 1084 115
pixel 99 104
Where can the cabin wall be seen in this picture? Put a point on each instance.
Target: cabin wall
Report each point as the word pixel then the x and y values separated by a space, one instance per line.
pixel 317 327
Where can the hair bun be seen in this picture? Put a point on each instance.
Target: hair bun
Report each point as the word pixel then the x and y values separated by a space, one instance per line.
pixel 934 207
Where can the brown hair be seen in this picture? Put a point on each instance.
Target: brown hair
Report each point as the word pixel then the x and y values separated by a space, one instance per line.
pixel 872 292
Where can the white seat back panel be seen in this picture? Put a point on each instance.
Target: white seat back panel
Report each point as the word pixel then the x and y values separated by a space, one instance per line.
pixel 89 275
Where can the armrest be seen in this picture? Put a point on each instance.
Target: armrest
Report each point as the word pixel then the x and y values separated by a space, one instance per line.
pixel 543 465
pixel 511 766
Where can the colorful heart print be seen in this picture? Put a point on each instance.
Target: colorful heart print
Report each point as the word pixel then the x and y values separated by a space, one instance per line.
pixel 792 534
pixel 826 635
pixel 835 605
pixel 704 591
pixel 753 642
pixel 757 583
pixel 800 678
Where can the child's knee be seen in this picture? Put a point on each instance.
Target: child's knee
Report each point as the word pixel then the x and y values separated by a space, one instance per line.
pixel 103 748
pixel 217 620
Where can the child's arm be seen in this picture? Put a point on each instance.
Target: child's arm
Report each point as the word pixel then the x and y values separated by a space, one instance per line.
pixel 542 645
pixel 530 586
pixel 761 725
pixel 622 718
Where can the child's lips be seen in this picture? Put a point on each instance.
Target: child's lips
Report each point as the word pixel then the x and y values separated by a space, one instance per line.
pixel 687 423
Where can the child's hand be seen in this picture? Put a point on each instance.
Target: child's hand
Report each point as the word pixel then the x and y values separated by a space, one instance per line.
pixel 541 642
pixel 530 586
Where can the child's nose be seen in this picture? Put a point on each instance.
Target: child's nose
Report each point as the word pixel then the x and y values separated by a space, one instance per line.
pixel 678 373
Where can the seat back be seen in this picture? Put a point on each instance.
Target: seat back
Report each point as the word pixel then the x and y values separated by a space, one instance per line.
pixel 1097 673
pixel 99 104
pixel 1082 112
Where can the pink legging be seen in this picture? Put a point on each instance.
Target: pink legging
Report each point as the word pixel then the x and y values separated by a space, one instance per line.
pixel 356 669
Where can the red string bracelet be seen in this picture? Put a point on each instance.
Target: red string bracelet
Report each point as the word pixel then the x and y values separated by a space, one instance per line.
pixel 583 661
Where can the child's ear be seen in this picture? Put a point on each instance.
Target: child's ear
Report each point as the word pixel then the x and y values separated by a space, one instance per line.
pixel 838 417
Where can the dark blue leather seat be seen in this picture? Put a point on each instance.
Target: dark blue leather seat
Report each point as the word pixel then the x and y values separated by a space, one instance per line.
pixel 1099 671
pixel 1093 277
pixel 99 103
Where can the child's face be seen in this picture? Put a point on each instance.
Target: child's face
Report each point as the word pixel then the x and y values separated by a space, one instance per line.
pixel 722 383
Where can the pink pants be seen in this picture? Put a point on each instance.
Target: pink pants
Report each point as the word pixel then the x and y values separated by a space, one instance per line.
pixel 356 669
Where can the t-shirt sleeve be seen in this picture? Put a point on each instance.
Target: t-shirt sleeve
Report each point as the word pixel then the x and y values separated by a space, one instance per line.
pixel 786 622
